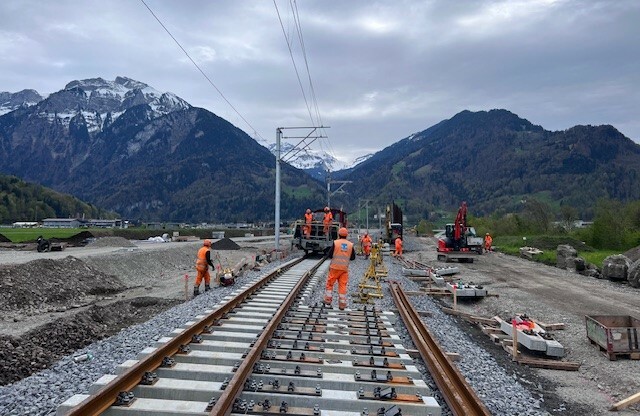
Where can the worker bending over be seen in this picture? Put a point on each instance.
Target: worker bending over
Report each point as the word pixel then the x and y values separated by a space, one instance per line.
pixel 341 253
pixel 327 220
pixel 203 261
pixel 398 252
pixel 488 241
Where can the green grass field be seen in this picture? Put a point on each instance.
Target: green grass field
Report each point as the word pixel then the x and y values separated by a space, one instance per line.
pixel 20 235
pixel 549 244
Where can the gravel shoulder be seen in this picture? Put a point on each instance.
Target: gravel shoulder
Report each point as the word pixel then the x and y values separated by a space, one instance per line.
pixel 553 295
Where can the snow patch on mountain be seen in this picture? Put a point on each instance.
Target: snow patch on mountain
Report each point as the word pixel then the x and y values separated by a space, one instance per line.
pixel 12 101
pixel 101 102
pixel 315 162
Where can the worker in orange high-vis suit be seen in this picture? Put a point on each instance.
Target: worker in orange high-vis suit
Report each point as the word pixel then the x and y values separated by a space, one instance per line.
pixel 398 252
pixel 308 218
pixel 488 241
pixel 203 261
pixel 327 220
pixel 366 245
pixel 341 253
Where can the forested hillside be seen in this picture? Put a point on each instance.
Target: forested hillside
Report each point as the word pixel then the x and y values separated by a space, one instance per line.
pixel 497 161
pixel 23 201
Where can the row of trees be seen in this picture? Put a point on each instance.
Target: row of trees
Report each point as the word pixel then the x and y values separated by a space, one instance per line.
pixel 616 225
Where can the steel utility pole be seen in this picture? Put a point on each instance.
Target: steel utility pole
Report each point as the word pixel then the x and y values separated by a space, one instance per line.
pixel 339 190
pixel 303 145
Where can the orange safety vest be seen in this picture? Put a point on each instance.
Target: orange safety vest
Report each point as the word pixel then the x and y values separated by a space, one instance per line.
pixel 342 249
pixel 328 217
pixel 366 241
pixel 308 218
pixel 398 244
pixel 201 260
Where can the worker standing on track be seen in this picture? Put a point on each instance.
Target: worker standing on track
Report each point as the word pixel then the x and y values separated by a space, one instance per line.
pixel 341 253
pixel 366 245
pixel 308 218
pixel 488 241
pixel 203 261
pixel 398 252
pixel 327 220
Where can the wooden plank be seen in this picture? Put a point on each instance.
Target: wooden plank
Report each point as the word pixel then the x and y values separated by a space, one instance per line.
pixel 549 364
pixel 550 327
pixel 626 402
pixel 491 330
pixel 465 315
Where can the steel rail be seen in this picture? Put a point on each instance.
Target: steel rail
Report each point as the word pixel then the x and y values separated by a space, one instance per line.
pixel 107 395
pixel 224 404
pixel 458 394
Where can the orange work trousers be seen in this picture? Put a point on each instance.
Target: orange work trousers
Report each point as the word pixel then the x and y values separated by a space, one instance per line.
pixel 202 273
pixel 342 277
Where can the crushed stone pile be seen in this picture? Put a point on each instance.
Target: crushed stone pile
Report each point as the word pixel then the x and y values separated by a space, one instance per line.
pixel 225 244
pixel 47 284
pixel 39 348
pixel 111 242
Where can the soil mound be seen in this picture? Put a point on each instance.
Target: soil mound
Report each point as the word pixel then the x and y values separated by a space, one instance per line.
pixel 4 239
pixel 111 242
pixel 43 346
pixel 46 284
pixel 78 240
pixel 225 244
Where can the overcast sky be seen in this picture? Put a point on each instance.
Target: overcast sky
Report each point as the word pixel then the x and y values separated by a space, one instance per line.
pixel 381 70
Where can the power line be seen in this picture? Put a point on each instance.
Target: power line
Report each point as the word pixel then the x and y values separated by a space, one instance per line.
pixel 295 67
pixel 201 71
pixel 298 28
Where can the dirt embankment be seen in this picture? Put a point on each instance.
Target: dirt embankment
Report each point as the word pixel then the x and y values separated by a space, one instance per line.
pixel 51 307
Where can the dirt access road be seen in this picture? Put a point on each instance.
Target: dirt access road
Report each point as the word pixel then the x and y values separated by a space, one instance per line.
pixel 552 295
pixel 134 268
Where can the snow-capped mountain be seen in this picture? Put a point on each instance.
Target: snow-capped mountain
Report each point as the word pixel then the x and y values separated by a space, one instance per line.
pixel 124 146
pixel 100 102
pixel 314 162
pixel 12 101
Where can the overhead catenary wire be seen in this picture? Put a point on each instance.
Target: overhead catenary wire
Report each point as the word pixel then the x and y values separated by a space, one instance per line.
pixel 298 25
pixel 312 94
pixel 200 69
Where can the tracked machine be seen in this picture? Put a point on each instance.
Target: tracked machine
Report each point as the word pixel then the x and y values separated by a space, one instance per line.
pixel 393 224
pixel 460 241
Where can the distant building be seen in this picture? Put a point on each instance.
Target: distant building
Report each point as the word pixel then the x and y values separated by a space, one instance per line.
pixel 99 223
pixel 24 224
pixel 62 223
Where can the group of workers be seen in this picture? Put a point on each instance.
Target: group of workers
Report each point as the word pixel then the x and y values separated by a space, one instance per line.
pixel 340 253
pixel 326 221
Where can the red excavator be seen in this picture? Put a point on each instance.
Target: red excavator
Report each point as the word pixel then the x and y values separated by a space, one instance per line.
pixel 459 241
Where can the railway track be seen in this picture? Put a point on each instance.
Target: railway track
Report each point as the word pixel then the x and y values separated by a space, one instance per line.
pixel 263 352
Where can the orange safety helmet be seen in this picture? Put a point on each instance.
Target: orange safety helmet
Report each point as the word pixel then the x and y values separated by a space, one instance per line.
pixel 342 232
pixel 207 243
